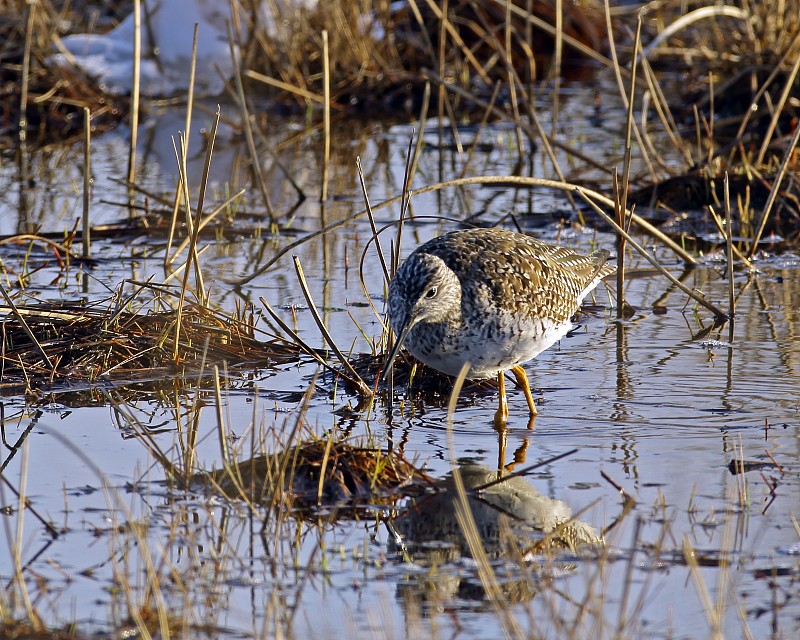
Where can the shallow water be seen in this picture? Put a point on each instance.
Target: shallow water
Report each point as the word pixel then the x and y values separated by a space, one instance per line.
pixel 660 403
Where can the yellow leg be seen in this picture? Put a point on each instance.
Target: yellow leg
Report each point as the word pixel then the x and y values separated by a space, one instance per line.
pixel 519 456
pixel 502 440
pixel 501 417
pixel 522 381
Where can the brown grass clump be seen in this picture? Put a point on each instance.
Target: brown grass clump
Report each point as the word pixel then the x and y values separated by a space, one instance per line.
pixel 56 344
pixel 321 473
pixel 737 71
pixel 42 100
pixel 381 55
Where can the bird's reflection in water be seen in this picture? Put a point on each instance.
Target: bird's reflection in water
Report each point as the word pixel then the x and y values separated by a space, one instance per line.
pixel 520 531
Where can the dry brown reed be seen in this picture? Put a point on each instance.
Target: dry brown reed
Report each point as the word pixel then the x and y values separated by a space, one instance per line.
pixel 44 99
pixel 68 343
pixel 486 64
pixel 320 473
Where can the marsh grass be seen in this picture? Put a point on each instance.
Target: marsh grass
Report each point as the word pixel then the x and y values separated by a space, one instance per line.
pixel 328 58
pixel 125 340
pixel 279 489
pixel 45 101
pixel 338 477
pixel 585 615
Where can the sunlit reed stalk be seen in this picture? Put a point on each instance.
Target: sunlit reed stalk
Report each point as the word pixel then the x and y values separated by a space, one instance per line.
pixel 137 66
pixel 26 68
pixel 173 225
pixel 194 226
pixel 21 319
pixel 190 90
pixel 285 86
pixel 724 587
pixel 512 87
pixel 17 549
pixel 221 430
pixel 729 249
pixel 201 199
pixel 441 66
pixel 626 101
pixel 248 129
pixel 405 203
pixel 404 198
pixel 458 182
pixel 323 467
pixel 555 70
pixel 629 121
pixel 619 215
pixel 188 127
pixel 532 71
pixel 87 180
pixel 469 528
pixel 422 120
pixel 741 476
pixel 773 193
pixel 788 88
pixel 184 185
pixel 621 194
pixel 690 556
pixel 371 218
pixel 646 254
pixel 622 616
pixel 363 389
pixel 326 116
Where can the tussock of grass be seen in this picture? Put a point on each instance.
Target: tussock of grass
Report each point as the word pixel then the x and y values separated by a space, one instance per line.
pixel 112 344
pixel 322 473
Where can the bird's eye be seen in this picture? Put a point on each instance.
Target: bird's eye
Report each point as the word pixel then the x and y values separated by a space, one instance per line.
pixel 431 293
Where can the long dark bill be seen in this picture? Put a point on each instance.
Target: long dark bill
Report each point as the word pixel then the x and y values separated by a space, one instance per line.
pixel 396 349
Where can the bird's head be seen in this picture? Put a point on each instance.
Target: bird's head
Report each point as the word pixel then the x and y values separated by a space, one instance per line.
pixel 424 289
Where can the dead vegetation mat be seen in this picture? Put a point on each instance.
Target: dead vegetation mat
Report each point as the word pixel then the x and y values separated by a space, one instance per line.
pixel 322 473
pixel 47 345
